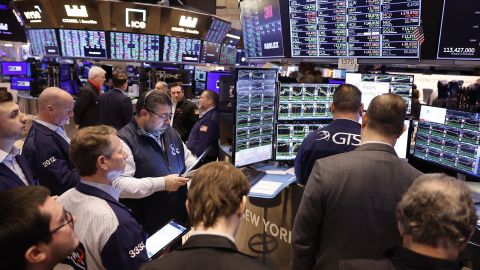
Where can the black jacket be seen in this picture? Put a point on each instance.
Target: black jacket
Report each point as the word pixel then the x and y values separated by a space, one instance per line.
pixel 8 178
pixel 184 118
pixel 206 252
pixel 85 111
pixel 115 109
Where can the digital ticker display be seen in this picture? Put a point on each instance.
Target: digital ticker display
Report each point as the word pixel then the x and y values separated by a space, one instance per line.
pixel 262 28
pixel 460 30
pixel 83 43
pixel 290 137
pixel 43 42
pixel 305 101
pixel 131 46
pixel 449 138
pixel 255 111
pixel 354 28
pixel 181 49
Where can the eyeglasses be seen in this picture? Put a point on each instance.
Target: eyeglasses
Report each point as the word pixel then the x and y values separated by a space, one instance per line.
pixel 163 116
pixel 68 219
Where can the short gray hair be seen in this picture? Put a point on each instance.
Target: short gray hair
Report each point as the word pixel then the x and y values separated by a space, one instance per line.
pixel 95 72
pixel 437 210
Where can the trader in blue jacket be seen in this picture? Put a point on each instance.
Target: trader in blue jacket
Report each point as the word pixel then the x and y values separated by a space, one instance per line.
pixel 205 132
pixel 342 135
pixel 14 169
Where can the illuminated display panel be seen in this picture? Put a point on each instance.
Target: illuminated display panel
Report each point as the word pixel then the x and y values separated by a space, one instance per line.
pixel 290 136
pixel 43 42
pixel 228 55
pixel 130 46
pixel 181 49
pixel 83 43
pixel 217 31
pixel 354 28
pixel 210 52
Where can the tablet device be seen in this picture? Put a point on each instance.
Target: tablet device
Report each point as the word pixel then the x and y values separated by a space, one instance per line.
pixel 194 165
pixel 167 235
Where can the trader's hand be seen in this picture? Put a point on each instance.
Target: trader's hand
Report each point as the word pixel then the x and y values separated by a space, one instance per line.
pixel 174 182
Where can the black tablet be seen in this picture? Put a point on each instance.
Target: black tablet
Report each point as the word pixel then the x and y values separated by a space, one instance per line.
pixel 163 238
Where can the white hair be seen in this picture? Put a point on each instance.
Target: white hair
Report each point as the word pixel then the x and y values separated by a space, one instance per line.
pixel 95 72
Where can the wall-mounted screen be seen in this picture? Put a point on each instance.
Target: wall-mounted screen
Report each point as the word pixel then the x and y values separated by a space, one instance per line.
pixel 449 138
pixel 210 52
pixel 460 30
pixel 262 28
pixel 354 28
pixel 217 31
pixel 228 55
pixel 290 136
pixel 181 49
pixel 15 68
pixel 305 101
pixel 241 59
pixel 83 43
pixel 20 84
pixel 255 110
pixel 130 46
pixel 233 37
pixel 373 85
pixel 213 80
pixel 43 42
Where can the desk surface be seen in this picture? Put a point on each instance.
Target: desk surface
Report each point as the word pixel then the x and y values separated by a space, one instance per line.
pixel 272 183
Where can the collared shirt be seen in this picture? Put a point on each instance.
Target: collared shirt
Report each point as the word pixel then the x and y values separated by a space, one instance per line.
pixel 9 160
pixel 226 235
pixel 110 190
pixel 174 107
pixel 59 130
pixel 205 112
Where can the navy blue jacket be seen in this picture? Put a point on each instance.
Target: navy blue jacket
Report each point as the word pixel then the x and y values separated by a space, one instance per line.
pixel 151 161
pixel 85 110
pixel 340 136
pixel 114 109
pixel 205 133
pixel 48 156
pixel 8 178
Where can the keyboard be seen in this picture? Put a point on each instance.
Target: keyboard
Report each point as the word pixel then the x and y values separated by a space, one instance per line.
pixel 253 175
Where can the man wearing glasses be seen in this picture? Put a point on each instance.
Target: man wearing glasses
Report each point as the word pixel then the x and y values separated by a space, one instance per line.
pixel 156 152
pixel 112 237
pixel 35 231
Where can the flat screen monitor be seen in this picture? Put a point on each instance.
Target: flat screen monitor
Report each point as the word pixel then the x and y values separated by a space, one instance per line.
pixel 181 50
pixel 210 52
pixel 217 30
pixel 15 68
pixel 241 59
pixel 134 47
pixel 460 30
pixel 233 37
pixel 70 87
pixel 43 42
pixel 449 138
pixel 378 29
pixel 254 114
pixel 21 84
pixel 213 80
pixel 228 55
pixel 373 85
pixel 83 43
pixel 298 101
pixel 262 28
pixel 289 137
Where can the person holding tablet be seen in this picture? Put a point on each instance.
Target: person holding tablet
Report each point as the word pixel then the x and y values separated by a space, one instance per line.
pixel 216 202
pixel 112 237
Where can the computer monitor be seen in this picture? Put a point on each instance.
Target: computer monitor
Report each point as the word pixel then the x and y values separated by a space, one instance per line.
pixel 289 137
pixel 181 49
pixel 20 84
pixel 210 52
pixel 254 114
pixel 43 42
pixel 133 46
pixel 83 43
pixel 298 101
pixel 449 138
pixel 213 80
pixel 228 55
pixel 15 68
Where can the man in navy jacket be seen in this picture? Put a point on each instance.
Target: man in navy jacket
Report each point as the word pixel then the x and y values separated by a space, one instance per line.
pixel 46 145
pixel 115 109
pixel 14 169
pixel 205 132
pixel 111 235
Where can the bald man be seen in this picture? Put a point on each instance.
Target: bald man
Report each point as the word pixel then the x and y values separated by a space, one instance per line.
pixel 46 145
pixel 162 87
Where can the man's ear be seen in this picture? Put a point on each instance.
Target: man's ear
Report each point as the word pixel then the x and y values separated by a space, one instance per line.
pixel 364 119
pixel 332 108
pixel 243 206
pixel 187 205
pixel 35 255
pixel 101 163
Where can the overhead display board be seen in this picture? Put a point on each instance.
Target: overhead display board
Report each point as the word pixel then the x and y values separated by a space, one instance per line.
pixel 262 28
pixel 354 28
pixel 133 46
pixel 217 31
pixel 137 18
pixel 33 14
pixel 183 23
pixel 80 14
pixel 83 43
pixel 460 30
pixel 181 50
pixel 43 42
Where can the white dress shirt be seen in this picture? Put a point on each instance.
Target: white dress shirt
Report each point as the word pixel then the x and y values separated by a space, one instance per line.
pixel 59 130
